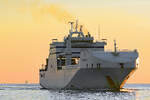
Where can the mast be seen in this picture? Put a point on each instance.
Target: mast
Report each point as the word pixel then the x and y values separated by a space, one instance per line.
pixel 98 32
pixel 68 46
pixel 71 23
pixel 115 46
pixel 76 25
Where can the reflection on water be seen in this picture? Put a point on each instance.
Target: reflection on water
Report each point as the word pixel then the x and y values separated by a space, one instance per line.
pixel 34 92
pixel 72 95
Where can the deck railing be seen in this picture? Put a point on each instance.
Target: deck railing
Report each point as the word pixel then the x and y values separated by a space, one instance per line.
pixel 121 50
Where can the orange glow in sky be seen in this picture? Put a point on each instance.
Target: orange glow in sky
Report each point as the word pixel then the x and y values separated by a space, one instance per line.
pixel 27 27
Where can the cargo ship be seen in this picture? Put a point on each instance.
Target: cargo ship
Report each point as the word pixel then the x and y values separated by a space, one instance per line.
pixel 80 62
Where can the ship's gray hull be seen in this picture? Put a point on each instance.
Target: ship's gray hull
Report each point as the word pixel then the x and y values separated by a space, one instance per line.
pixel 105 78
pixel 87 78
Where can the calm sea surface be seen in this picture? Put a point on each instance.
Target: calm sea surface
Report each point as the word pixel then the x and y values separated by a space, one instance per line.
pixel 34 92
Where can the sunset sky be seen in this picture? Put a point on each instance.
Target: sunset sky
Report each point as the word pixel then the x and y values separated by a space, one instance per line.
pixel 27 27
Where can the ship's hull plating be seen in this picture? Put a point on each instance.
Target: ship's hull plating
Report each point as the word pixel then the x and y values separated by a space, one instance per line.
pixel 86 78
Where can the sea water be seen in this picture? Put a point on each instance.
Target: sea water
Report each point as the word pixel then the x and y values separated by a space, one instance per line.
pixel 35 92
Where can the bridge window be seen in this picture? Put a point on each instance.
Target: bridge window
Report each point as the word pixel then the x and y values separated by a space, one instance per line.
pixel 60 62
pixel 75 60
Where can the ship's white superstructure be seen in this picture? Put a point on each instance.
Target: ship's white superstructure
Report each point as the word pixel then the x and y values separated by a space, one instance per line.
pixel 81 63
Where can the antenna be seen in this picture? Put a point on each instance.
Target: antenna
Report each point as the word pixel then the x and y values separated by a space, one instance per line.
pixel 71 23
pixel 77 25
pixel 115 46
pixel 98 32
pixel 81 26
